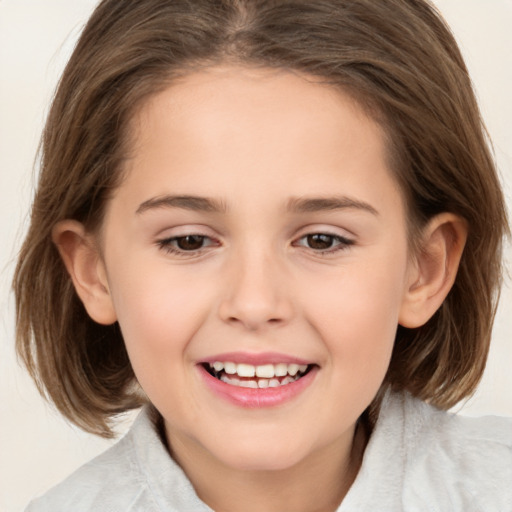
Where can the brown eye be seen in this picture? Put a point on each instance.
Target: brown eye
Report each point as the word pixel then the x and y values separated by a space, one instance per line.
pixel 320 241
pixel 187 245
pixel 190 242
pixel 323 243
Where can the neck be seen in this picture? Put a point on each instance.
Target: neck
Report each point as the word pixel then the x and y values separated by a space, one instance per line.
pixel 318 483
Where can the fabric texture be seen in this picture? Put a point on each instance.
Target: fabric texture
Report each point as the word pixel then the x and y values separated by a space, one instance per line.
pixel 418 459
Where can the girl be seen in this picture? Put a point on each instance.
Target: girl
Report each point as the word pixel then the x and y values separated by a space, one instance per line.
pixel 276 226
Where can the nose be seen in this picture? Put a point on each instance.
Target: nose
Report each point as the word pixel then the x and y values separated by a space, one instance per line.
pixel 255 294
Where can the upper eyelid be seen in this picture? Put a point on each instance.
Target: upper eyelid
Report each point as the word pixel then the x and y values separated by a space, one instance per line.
pixel 327 233
pixel 179 231
pixel 172 238
pixel 325 230
pixel 182 230
pixel 167 246
pixel 340 238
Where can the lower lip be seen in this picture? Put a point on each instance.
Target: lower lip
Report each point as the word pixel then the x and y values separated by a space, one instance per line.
pixel 260 397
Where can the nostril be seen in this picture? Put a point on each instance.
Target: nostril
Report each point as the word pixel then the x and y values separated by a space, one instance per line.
pixel 252 323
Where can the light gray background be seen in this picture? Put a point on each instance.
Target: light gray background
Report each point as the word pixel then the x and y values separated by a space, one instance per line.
pixel 37 448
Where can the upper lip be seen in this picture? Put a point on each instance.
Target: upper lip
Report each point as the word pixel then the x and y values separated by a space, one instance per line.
pixel 255 359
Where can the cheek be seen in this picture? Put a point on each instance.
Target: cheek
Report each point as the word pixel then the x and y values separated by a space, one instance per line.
pixel 158 315
pixel 158 309
pixel 357 312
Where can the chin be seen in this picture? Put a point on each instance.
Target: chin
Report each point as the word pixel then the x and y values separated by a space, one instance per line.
pixel 264 456
pixel 262 464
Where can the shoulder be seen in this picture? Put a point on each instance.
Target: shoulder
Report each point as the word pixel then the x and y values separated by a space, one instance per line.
pixel 420 458
pixel 450 461
pixel 113 481
pixel 446 431
pixel 135 475
pixel 466 461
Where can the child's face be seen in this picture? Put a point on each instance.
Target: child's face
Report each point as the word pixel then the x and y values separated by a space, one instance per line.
pixel 260 224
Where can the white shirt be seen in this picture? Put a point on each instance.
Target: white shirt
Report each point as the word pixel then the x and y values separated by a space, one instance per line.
pixel 418 459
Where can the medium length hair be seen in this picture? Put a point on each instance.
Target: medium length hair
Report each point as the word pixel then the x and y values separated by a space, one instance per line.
pixel 396 58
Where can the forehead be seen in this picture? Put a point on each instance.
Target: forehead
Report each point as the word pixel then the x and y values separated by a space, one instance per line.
pixel 249 96
pixel 235 129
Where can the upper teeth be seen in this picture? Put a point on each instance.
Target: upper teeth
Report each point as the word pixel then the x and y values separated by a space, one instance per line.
pixel 266 371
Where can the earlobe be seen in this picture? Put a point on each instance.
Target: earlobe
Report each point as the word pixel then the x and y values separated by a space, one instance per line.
pixel 434 269
pixel 86 268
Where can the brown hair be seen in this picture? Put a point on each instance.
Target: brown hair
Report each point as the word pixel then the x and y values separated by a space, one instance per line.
pixel 396 55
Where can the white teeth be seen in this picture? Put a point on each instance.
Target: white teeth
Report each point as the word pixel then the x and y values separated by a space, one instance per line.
pixel 230 368
pixel 293 369
pixel 248 384
pixel 230 380
pixel 260 383
pixel 217 366
pixel 266 371
pixel 281 369
pixel 245 370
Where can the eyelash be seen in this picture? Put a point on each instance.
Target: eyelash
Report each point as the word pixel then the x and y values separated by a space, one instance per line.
pixel 170 245
pixel 341 243
pixel 167 245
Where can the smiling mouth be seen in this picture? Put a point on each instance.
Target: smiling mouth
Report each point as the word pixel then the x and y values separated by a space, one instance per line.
pixel 257 377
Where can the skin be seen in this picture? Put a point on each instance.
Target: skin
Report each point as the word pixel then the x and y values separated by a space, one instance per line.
pixel 260 144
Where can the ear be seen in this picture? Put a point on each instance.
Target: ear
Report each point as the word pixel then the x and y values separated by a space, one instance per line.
pixel 83 261
pixel 433 269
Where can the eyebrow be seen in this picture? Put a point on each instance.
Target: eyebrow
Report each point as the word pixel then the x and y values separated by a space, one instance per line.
pixel 193 203
pixel 295 205
pixel 318 204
